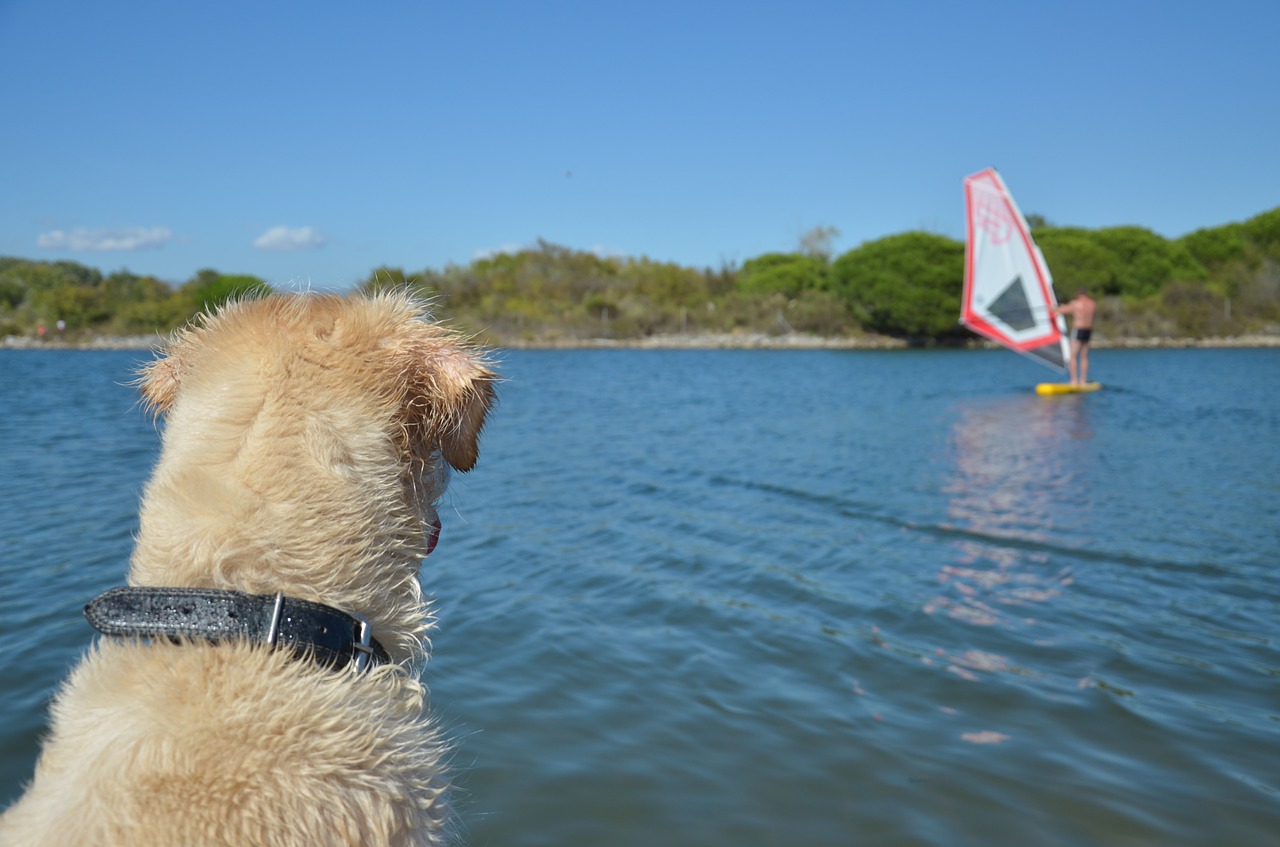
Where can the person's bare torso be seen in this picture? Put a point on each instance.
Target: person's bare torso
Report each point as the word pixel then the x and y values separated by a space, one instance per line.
pixel 1081 311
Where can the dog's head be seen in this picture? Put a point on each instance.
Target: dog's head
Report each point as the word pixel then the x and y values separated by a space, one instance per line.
pixel 442 387
pixel 305 432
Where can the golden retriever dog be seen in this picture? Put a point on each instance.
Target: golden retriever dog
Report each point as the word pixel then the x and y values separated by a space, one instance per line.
pixel 258 680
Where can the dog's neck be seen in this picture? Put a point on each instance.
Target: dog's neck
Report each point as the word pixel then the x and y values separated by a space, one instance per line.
pixel 399 618
pixel 203 527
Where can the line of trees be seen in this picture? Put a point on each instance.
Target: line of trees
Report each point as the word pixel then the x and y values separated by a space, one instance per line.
pixel 1213 282
pixel 35 295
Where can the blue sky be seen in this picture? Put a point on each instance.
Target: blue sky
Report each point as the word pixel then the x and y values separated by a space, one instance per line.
pixel 308 143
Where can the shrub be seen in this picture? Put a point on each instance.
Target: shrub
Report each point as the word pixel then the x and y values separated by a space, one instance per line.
pixel 904 285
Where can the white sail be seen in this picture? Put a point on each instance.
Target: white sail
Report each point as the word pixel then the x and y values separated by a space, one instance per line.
pixel 1008 292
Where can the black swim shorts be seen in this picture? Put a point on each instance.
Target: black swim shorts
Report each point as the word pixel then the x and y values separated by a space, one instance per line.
pixel 1083 335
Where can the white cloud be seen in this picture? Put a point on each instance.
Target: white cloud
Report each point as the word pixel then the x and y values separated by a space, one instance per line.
pixel 131 238
pixel 286 238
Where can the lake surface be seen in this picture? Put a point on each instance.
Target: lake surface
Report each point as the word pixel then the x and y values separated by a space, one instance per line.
pixel 785 598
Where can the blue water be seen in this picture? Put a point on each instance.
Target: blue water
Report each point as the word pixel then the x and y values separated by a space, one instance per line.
pixel 792 598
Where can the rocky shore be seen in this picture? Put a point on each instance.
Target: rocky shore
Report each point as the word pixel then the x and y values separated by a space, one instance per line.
pixel 104 342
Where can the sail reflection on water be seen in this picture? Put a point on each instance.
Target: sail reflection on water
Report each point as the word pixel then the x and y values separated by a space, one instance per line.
pixel 1018 489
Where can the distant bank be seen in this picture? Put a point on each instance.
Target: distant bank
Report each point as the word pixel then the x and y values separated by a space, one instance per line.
pixel 704 341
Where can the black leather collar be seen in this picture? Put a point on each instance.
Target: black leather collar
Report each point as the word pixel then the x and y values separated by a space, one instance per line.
pixel 332 637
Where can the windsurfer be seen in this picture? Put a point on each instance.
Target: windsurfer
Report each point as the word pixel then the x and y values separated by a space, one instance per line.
pixel 1081 310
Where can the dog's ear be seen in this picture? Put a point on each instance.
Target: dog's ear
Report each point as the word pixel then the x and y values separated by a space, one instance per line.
pixel 158 381
pixel 451 390
pixel 460 442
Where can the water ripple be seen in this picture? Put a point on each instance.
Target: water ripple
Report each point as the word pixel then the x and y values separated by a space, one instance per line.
pixel 749 597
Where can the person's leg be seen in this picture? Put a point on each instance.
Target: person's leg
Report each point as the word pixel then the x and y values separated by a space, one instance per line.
pixel 1071 362
pixel 1084 363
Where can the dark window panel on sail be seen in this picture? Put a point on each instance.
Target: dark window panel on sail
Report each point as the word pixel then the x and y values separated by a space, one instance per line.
pixel 1012 306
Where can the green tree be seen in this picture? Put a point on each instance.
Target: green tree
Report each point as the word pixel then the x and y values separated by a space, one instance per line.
pixel 43 276
pixel 1263 231
pixel 208 289
pixel 784 273
pixel 1076 261
pixel 904 285
pixel 666 283
pixel 1214 248
pixel 12 292
pixel 383 278
pixel 1145 261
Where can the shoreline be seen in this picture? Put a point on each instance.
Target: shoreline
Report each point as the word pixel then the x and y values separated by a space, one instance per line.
pixel 705 341
pixel 812 342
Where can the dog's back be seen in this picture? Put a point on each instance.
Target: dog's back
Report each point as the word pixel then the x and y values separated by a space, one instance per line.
pixel 307 440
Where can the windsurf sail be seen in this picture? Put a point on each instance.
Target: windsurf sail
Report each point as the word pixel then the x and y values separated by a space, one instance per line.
pixel 1008 292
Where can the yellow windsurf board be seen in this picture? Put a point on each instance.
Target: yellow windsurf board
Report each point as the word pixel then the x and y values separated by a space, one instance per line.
pixel 1066 387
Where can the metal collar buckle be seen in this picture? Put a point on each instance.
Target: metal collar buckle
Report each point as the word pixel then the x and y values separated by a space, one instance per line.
pixel 364 635
pixel 274 629
pixel 363 647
